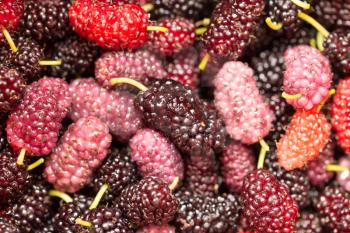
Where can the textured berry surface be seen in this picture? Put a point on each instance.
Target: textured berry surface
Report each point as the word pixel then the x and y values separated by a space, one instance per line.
pixel 341 113
pixel 285 12
pixel 198 213
pixel 138 65
pixel 333 206
pixel 118 171
pixel 316 169
pixel 182 8
pixel 181 35
pixel 46 20
pixel 337 46
pixel 116 109
pixel 108 25
pixel 180 115
pixel 296 181
pixel 305 138
pixel 262 194
pixel 148 202
pixel 237 161
pixel 7 227
pixel 308 222
pixel 64 220
pixel 12 86
pixel 11 13
pixel 156 156
pixel 80 151
pixel 248 119
pixel 307 73
pixel 232 25
pixel 343 178
pixel 335 13
pixel 283 114
pixel 157 229
pixel 105 220
pixel 184 68
pixel 268 66
pixel 35 123
pixel 78 57
pixel 14 179
pixel 26 59
pixel 202 174
pixel 33 210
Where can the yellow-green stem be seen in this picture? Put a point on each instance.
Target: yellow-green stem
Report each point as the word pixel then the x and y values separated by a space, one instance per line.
pixel 204 62
pixel 314 23
pixel 98 197
pixel 64 196
pixel 290 97
pixel 20 159
pixel 9 40
pixel 35 164
pixel 129 81
pixel 83 223
pixel 272 25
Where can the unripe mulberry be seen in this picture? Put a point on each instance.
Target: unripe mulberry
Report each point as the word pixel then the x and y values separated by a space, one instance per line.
pixel 156 156
pixel 81 150
pixel 308 73
pixel 305 138
pixel 343 177
pixel 237 99
pixel 237 161
pixel 341 114
pixel 138 65
pixel 116 109
pixel 157 229
pixel 34 125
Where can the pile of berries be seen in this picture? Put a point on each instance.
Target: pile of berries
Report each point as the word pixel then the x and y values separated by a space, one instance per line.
pixel 174 116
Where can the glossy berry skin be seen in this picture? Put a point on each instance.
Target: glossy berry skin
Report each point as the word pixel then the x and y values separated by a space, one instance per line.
pixel 12 86
pixel 157 229
pixel 118 171
pixel 336 48
pixel 46 20
pixel 333 14
pixel 156 156
pixel 184 68
pixel 7 227
pixel 105 219
pixel 343 178
pixel 115 108
pixel 148 202
pixel 14 179
pixel 308 222
pixel 201 174
pixel 308 73
pixel 11 13
pixel 231 27
pixel 237 161
pixel 305 138
pixel 78 57
pixel 181 35
pixel 333 206
pixel 33 210
pixel 138 65
pixel 35 123
pixel 200 213
pixel 262 195
pixel 248 119
pixel 316 169
pixel 64 219
pixel 110 26
pixel 340 114
pixel 181 116
pixel 80 151
pixel 26 59
pixel 183 8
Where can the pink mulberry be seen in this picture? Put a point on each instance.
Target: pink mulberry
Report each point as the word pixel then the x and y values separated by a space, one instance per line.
pixel 34 125
pixel 82 148
pixel 157 229
pixel 138 65
pixel 308 73
pixel 237 161
pixel 116 109
pixel 237 99
pixel 343 177
pixel 156 156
